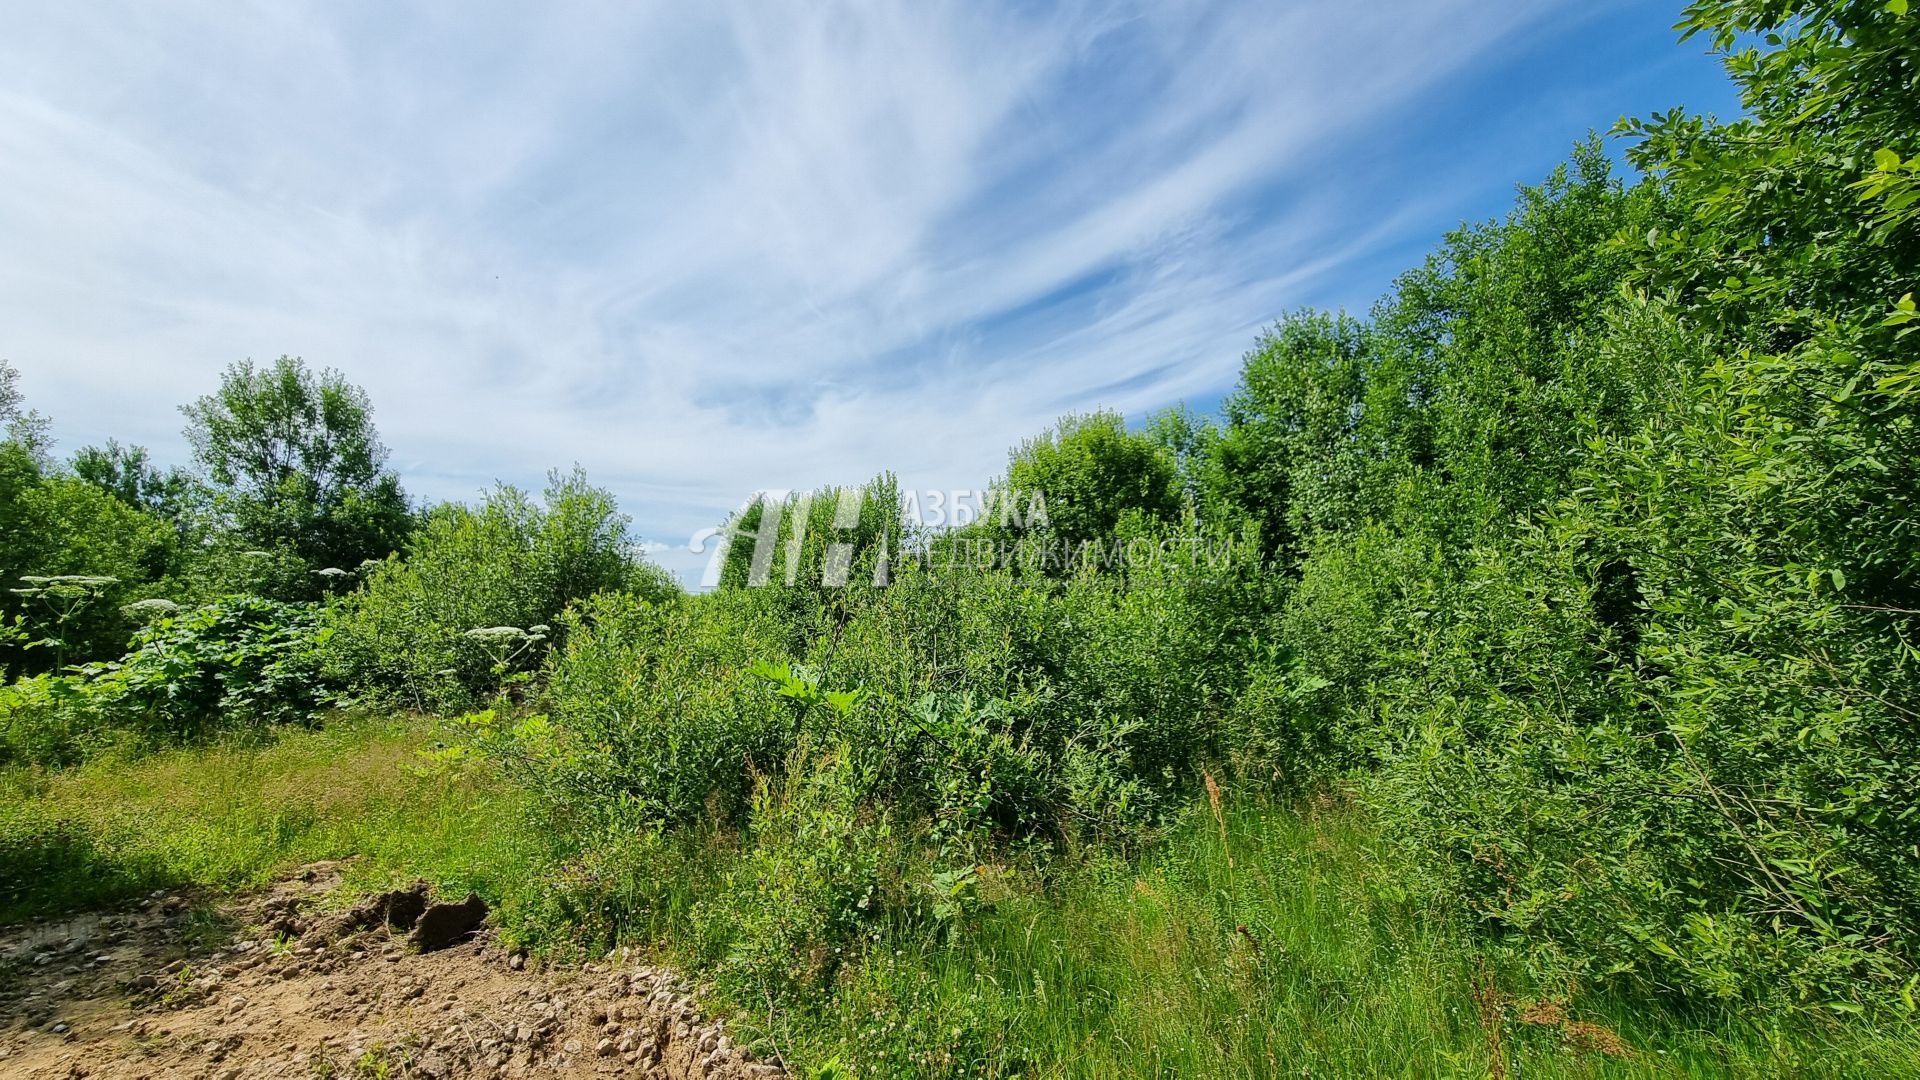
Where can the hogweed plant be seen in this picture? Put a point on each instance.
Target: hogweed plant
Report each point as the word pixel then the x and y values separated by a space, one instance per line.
pixel 506 645
pixel 150 611
pixel 65 597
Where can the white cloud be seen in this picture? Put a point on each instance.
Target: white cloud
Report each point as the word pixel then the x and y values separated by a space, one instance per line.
pixel 698 249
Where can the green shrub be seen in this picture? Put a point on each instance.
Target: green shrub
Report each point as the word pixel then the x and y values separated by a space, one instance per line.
pixel 1090 473
pixel 244 660
pixel 52 721
pixel 992 707
pixel 510 562
pixel 815 880
pixel 655 713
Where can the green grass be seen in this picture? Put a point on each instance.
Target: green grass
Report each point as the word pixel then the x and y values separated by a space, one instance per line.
pixel 228 817
pixel 1309 953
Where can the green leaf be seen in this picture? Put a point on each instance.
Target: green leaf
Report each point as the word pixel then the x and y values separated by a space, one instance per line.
pixel 1898 7
pixel 1886 160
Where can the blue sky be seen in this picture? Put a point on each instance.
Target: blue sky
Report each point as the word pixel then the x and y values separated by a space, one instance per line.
pixel 703 249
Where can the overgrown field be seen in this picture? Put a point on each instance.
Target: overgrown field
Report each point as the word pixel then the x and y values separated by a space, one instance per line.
pixel 1517 680
pixel 1259 940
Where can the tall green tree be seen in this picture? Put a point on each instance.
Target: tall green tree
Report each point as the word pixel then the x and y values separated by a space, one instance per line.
pixel 18 425
pixel 1808 207
pixel 1093 474
pixel 1284 461
pixel 129 474
pixel 296 466
pixel 55 526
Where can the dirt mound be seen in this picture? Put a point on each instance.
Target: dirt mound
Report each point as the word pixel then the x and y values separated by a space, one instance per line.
pixel 269 986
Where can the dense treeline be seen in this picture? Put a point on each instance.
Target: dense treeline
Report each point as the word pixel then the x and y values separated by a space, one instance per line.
pixel 284 575
pixel 1585 564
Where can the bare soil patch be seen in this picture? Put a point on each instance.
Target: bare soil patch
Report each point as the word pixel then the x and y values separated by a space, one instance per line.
pixel 272 985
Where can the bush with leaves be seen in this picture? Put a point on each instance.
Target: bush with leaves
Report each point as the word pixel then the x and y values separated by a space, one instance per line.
pixel 244 660
pixel 55 720
pixel 56 533
pixel 1087 480
pixel 656 715
pixel 818 876
pixel 511 562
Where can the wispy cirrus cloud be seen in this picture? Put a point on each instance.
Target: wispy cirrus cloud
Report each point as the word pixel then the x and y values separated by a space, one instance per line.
pixel 703 249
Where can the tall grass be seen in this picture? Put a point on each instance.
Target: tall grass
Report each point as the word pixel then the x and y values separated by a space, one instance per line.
pixel 1305 954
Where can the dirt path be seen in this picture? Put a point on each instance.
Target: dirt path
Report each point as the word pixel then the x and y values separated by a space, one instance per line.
pixel 274 986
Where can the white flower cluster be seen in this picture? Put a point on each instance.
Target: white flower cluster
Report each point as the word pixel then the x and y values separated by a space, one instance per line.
pixel 151 609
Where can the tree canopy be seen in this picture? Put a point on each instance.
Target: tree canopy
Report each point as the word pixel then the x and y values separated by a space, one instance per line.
pixel 295 464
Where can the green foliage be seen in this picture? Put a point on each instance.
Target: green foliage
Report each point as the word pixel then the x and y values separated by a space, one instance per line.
pixel 54 528
pixel 1795 213
pixel 1292 416
pixel 808 890
pixel 296 465
pixel 63 599
pixel 1092 474
pixel 508 563
pixel 994 708
pixel 128 474
pixel 813 542
pixel 52 721
pixel 244 660
pixel 653 718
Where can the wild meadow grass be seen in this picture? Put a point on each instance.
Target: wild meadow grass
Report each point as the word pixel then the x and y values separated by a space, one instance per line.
pixel 231 815
pixel 1294 948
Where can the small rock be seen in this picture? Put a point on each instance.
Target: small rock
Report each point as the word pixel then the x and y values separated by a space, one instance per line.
pixel 604 1048
pixel 516 962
